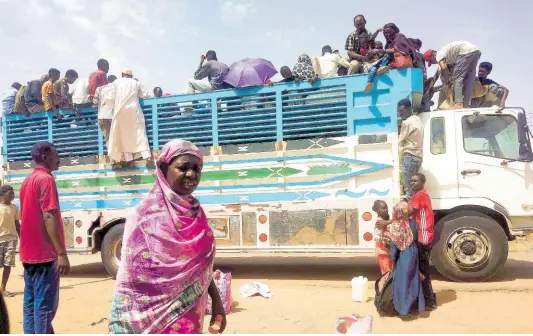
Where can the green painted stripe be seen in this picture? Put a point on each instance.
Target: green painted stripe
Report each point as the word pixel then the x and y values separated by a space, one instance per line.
pixel 222 175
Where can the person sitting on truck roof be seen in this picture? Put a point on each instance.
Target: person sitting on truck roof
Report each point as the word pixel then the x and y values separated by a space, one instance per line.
pixel 410 142
pixel 327 65
pixel 485 68
pixel 463 56
pixel 303 69
pixel 158 92
pixel 62 91
pixel 341 71
pixel 128 140
pixel 214 71
pixel 49 98
pixel 370 56
pixel 421 212
pixel 353 45
pixel 98 78
pixel 169 254
pixel 398 54
pixel 80 95
pixel 8 98
pixel 20 104
pixel 104 98
pixel 33 96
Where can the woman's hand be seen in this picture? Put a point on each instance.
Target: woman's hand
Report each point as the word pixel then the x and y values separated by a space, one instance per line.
pixel 217 309
pixel 381 224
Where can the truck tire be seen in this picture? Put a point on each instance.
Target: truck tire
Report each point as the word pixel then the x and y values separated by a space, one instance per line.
pixel 469 246
pixel 111 248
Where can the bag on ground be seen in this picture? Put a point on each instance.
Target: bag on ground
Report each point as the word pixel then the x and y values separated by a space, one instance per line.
pixel 223 283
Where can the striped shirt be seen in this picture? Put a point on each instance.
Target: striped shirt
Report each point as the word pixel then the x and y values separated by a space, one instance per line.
pixel 423 216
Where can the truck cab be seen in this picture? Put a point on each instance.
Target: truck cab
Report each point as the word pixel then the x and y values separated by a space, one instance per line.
pixel 479 176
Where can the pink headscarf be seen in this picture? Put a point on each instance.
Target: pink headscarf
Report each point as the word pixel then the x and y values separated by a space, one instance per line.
pixel 167 256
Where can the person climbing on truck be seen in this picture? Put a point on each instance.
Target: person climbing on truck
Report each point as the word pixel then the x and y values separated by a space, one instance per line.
pixel 463 56
pixel 421 212
pixel 410 143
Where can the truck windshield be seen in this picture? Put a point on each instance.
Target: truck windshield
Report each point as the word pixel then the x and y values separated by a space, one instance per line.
pixel 497 137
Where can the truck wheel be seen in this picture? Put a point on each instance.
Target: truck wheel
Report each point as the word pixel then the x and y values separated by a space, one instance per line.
pixel 469 246
pixel 111 248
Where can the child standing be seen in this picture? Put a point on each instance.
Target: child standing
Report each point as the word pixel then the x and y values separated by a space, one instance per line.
pixel 421 212
pixel 381 236
pixel 9 233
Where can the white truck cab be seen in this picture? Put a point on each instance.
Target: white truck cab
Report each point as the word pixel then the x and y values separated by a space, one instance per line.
pixel 478 166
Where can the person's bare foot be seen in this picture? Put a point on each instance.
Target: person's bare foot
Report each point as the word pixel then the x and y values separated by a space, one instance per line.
pixel 382 70
pixel 369 87
pixel 458 106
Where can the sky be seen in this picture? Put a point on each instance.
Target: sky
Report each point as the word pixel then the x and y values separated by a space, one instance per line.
pixel 162 40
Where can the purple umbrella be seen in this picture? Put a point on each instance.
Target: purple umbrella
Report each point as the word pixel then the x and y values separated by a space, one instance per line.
pixel 250 72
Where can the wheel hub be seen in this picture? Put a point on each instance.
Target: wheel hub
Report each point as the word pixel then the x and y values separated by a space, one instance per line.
pixel 468 247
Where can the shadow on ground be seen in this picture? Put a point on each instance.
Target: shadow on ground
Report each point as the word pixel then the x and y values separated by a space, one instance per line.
pixel 343 269
pixel 332 269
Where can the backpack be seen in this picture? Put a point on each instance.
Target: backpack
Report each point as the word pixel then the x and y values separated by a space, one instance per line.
pixel 383 298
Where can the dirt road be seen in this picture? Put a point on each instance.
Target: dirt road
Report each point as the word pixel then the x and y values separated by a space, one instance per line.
pixel 308 299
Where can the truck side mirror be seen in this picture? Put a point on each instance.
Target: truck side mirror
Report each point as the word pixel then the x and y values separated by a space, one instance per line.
pixel 524 133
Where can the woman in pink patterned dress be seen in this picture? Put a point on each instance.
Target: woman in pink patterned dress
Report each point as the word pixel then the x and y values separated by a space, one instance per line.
pixel 165 274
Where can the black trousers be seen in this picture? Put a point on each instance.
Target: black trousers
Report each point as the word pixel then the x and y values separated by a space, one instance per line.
pixel 423 264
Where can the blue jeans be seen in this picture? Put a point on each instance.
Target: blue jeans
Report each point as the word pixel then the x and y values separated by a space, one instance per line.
pixel 384 61
pixel 41 297
pixel 410 166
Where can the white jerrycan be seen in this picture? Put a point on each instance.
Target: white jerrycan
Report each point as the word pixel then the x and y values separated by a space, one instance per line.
pixel 360 289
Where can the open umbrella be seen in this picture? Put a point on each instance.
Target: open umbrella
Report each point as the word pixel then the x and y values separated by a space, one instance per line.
pixel 250 72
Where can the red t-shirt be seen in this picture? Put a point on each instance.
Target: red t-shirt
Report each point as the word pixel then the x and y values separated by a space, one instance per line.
pixel 96 79
pixel 38 194
pixel 423 216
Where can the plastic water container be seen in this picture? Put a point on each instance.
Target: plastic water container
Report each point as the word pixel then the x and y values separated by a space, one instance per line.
pixel 360 289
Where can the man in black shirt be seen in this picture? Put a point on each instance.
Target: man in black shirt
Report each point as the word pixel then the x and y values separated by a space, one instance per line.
pixel 485 68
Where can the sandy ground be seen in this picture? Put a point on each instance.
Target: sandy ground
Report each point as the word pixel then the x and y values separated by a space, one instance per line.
pixel 308 299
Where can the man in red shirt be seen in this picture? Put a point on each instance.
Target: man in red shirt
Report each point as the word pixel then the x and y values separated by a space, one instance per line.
pixel 42 242
pixel 98 78
pixel 422 212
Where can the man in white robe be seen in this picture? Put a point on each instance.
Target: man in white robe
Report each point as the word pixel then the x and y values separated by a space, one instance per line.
pixel 128 140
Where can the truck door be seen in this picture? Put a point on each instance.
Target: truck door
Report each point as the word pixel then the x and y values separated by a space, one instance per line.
pixel 489 164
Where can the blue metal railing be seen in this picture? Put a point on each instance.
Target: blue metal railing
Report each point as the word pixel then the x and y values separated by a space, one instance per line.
pixel 333 107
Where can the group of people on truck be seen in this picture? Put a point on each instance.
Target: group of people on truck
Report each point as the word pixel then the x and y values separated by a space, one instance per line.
pixel 120 115
pixel 457 66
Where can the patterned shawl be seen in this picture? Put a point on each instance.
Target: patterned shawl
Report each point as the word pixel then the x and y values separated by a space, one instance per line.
pixel 399 231
pixel 303 68
pixel 167 256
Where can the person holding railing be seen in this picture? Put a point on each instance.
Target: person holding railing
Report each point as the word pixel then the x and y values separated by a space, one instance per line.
pixel 49 99
pixel 8 99
pixel 98 78
pixel 128 140
pixel 62 91
pixel 104 98
pixel 33 96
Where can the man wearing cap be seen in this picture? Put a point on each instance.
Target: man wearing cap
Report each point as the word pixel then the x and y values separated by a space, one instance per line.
pixel 42 242
pixel 410 141
pixel 214 71
pixel 463 56
pixel 128 140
